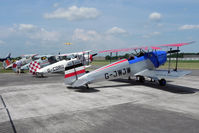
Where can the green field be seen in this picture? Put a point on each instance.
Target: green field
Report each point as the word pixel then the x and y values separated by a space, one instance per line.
pixel 183 64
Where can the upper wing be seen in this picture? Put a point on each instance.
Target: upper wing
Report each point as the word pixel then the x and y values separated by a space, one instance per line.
pixel 159 74
pixel 154 47
pixel 28 55
pixel 75 53
pixel 176 45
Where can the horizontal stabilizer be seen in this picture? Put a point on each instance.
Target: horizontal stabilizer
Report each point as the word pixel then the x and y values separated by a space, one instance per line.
pixel 159 74
pixel 81 81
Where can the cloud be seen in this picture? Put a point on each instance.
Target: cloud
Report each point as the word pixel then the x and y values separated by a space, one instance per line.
pixel 152 34
pixel 155 16
pixel 2 42
pixel 188 27
pixel 44 35
pixel 116 30
pixel 83 35
pixel 55 5
pixel 34 32
pixel 73 13
pixel 26 27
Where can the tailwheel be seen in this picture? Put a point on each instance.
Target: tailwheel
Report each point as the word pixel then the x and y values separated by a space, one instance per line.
pixel 141 79
pixel 162 82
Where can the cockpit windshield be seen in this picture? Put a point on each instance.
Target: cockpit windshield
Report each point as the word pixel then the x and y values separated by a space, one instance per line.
pixel 52 59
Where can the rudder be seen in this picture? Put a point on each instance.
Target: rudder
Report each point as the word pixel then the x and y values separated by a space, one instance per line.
pixel 73 74
pixel 34 66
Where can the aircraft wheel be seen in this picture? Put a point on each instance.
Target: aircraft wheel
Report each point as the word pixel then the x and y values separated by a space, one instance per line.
pixel 39 75
pixel 162 82
pixel 141 79
pixel 87 87
pixel 36 74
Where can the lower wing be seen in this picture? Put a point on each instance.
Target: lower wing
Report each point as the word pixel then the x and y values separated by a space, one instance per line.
pixel 159 74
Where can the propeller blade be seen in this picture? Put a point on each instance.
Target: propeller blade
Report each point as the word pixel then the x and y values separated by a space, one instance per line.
pixel 94 54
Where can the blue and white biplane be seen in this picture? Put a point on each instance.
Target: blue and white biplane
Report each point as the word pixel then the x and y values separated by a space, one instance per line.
pixel 143 65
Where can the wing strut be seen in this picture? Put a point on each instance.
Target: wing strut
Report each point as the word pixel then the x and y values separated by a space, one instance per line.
pixel 88 58
pixel 83 59
pixel 169 65
pixel 177 60
pixel 110 56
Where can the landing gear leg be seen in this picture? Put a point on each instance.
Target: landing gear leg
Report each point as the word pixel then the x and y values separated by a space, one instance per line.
pixel 40 75
pixel 152 80
pixel 129 78
pixel 162 82
pixel 141 79
pixel 87 87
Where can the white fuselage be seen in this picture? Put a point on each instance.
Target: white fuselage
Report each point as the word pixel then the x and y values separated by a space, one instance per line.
pixel 61 65
pixel 120 69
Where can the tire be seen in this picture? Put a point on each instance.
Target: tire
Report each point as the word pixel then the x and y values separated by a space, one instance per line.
pixel 162 82
pixel 141 79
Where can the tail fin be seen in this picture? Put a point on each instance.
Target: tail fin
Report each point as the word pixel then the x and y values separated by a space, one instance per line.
pixel 8 56
pixel 6 63
pixel 34 66
pixel 73 74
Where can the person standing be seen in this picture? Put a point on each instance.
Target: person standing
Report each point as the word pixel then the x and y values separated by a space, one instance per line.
pixel 18 67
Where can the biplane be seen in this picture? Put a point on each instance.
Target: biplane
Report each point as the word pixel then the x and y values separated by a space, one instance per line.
pixel 63 61
pixel 41 61
pixel 24 59
pixel 143 64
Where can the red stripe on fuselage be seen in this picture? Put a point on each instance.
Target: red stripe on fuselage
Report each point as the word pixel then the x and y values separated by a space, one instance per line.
pixel 112 65
pixel 74 73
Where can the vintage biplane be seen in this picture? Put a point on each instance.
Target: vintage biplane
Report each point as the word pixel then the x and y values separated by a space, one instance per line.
pixel 61 62
pixel 42 61
pixel 144 63
pixel 24 59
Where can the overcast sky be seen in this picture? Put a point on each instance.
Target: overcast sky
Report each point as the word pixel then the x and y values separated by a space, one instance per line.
pixel 43 26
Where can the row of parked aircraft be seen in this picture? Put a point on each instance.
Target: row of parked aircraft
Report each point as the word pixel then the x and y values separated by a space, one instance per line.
pixel 42 64
pixel 143 63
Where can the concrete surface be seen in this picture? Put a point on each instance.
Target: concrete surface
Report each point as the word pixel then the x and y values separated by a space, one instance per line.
pixel 31 105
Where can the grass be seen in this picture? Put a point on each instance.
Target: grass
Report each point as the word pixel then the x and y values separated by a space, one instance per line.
pixel 183 65
pixel 101 62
